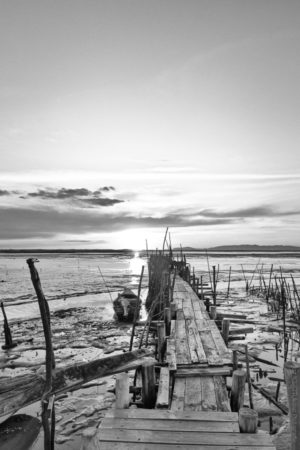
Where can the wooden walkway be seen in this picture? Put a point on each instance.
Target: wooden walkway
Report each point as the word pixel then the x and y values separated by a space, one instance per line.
pixel 192 389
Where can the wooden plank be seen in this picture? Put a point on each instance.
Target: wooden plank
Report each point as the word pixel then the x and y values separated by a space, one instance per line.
pixel 150 446
pixel 221 394
pixel 193 394
pixel 209 400
pixel 182 349
pixel 224 315
pixel 177 403
pixel 170 425
pixel 173 415
pixel 210 348
pixel 171 354
pixel 163 394
pixel 204 371
pixel 195 345
pixel 203 324
pixel 176 437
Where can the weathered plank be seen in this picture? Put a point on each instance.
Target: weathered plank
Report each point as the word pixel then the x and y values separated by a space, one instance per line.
pixel 153 446
pixel 209 400
pixel 170 425
pixel 193 394
pixel 67 378
pixel 177 403
pixel 163 395
pixel 221 394
pixel 203 371
pixel 180 437
pixel 195 345
pixel 140 413
pixel 211 351
pixel 182 349
pixel 171 353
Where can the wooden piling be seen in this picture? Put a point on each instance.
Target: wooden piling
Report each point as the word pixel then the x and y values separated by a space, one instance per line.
pixel 237 389
pixel 214 285
pixel 148 385
pixel 292 378
pixel 213 312
pixel 7 333
pixel 225 330
pixel 167 314
pixel 161 335
pixel 248 420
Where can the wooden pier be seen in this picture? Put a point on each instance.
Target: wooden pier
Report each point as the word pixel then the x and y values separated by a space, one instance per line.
pixel 192 409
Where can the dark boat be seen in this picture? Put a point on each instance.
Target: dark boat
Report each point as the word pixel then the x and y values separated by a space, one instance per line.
pixel 125 305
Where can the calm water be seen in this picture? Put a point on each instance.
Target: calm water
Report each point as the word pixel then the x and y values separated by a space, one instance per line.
pixel 65 276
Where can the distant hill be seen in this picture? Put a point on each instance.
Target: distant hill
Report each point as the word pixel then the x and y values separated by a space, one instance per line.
pixel 245 248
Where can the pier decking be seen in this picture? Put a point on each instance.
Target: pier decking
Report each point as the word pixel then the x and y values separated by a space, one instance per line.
pixel 192 389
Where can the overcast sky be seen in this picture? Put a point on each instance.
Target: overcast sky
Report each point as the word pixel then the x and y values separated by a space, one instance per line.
pixel 121 117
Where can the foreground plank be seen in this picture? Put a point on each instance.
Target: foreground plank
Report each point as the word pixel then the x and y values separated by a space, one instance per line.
pixel 30 390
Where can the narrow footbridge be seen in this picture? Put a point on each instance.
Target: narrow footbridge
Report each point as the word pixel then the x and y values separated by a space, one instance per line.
pixel 192 409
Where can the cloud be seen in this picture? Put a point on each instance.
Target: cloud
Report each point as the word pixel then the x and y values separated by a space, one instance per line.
pixel 258 211
pixel 64 193
pixel 3 192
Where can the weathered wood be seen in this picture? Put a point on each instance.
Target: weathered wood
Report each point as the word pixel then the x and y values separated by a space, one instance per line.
pixel 193 394
pixel 165 437
pixel 25 390
pixel 174 415
pixel 19 432
pixel 90 440
pixel 211 351
pixel 177 403
pixel 209 400
pixel 195 345
pixel 109 445
pixel 182 348
pixel 170 425
pixel 167 313
pixel 171 354
pixel 122 391
pixel 244 330
pixel 225 330
pixel 248 420
pixel 163 395
pixel 224 315
pixel 161 334
pixel 7 333
pixel 221 394
pixel 213 312
pixel 292 377
pixel 148 385
pixel 237 389
pixel 203 371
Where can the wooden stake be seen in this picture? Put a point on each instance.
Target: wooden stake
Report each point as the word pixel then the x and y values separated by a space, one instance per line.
pixel 161 334
pixel 214 285
pixel 292 377
pixel 225 330
pixel 248 377
pixel 7 333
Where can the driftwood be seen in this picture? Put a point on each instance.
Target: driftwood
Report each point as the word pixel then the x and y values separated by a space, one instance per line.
pixel 17 392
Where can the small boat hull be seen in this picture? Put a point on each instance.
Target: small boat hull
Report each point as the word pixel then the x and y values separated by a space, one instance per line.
pixel 125 306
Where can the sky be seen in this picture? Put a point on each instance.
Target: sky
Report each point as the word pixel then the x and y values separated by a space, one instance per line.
pixel 119 118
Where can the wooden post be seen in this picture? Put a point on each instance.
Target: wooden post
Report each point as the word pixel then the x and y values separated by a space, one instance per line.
pixel 173 307
pixel 168 321
pixel 292 378
pixel 50 361
pixel 214 285
pixel 161 334
pixel 248 377
pixel 225 330
pixel 248 420
pixel 7 333
pixel 213 312
pixel 201 287
pixel 234 360
pixel 207 305
pixel 228 288
pixel 122 391
pixel 148 384
pixel 237 390
pixel 137 310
